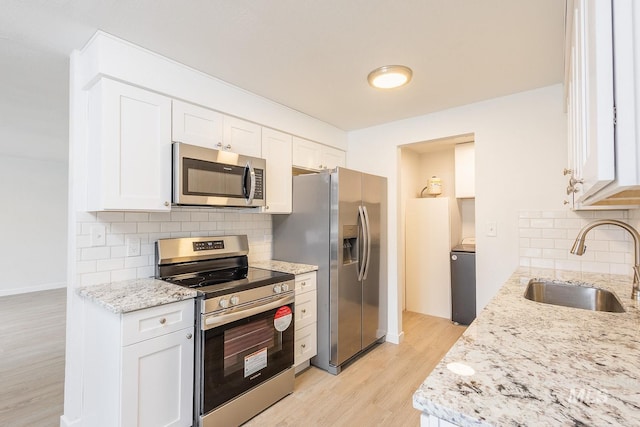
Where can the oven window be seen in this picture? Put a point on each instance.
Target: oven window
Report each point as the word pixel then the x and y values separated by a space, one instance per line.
pixel 245 344
pixel 242 354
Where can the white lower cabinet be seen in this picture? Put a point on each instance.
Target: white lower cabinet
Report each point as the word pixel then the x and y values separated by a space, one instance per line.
pixel 139 366
pixel 305 320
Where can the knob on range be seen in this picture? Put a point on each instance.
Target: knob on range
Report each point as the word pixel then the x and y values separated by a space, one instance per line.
pixel 224 303
pixel 277 289
pixel 285 287
pixel 235 300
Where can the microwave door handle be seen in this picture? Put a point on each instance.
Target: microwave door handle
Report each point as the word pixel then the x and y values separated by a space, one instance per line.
pixel 252 176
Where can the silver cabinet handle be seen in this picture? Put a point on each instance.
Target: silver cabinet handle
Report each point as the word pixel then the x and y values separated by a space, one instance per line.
pixel 189 335
pixel 163 321
pixel 227 147
pixel 303 284
pixel 166 203
pixel 219 145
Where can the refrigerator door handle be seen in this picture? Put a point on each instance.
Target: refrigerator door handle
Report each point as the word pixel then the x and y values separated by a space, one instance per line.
pixel 367 242
pixel 362 256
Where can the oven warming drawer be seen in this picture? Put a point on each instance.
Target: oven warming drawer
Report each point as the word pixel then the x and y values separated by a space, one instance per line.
pixel 251 403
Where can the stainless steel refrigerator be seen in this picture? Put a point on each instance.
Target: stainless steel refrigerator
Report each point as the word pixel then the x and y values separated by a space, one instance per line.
pixel 339 224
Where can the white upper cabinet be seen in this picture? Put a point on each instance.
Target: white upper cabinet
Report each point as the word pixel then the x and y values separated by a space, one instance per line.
pixel 128 148
pixel 313 156
pixel 242 137
pixel 465 170
pixel 195 125
pixel 200 126
pixel 601 92
pixel 332 158
pixel 276 150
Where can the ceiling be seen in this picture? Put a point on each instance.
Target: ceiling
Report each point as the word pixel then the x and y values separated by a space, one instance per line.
pixel 310 55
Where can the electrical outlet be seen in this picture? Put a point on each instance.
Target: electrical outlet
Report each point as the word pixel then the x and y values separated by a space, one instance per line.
pixel 133 246
pixel 492 229
pixel 98 235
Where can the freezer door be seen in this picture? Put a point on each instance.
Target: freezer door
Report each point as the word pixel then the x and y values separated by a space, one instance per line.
pixel 345 289
pixel 374 200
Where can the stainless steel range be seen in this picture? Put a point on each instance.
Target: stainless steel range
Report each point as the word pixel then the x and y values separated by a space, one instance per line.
pixel 244 345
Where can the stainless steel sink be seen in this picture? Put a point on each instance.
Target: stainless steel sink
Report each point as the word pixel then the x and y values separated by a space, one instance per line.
pixel 587 298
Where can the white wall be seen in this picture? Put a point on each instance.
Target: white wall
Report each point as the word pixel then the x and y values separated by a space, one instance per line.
pixel 33 227
pixel 520 143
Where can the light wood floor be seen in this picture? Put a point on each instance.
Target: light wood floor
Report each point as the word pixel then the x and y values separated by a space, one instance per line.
pixel 32 343
pixel 376 390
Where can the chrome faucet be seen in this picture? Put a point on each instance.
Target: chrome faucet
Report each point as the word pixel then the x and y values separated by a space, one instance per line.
pixel 579 247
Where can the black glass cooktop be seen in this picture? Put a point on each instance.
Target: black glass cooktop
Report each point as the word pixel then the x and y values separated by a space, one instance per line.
pixel 222 282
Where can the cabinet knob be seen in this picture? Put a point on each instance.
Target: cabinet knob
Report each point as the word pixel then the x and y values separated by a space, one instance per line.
pixel 266 208
pixel 189 336
pixel 219 145
pixel 303 284
pixel 163 321
pixel 304 311
pixel 167 203
pixel 567 172
pixel 227 147
pixel 565 202
pixel 303 346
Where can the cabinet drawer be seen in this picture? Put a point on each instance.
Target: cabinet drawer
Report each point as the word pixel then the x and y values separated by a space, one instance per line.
pixel 305 309
pixel 305 282
pixel 155 321
pixel 305 344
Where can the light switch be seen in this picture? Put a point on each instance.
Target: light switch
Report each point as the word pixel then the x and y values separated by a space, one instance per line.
pixel 492 229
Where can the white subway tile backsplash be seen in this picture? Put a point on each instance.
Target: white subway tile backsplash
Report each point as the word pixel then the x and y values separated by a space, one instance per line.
pixel 110 217
pixel 547 236
pixel 136 217
pixel 109 263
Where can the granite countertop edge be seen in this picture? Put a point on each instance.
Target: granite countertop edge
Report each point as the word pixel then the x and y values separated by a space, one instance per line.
pixel 542 364
pixel 136 294
pixel 284 266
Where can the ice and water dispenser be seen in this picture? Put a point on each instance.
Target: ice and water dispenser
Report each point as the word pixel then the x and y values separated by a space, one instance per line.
pixel 349 244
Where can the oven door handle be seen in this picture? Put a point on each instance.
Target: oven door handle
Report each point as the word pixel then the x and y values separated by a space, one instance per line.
pixel 218 319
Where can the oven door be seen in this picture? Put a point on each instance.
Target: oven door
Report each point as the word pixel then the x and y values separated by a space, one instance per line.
pixel 244 348
pixel 204 176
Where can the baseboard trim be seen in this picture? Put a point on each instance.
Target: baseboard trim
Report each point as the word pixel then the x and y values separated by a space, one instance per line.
pixel 395 339
pixel 28 289
pixel 66 423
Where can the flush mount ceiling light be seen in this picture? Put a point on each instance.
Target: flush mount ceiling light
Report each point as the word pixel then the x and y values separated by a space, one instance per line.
pixel 390 76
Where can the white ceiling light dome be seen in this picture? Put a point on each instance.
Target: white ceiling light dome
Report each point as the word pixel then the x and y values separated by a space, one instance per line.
pixel 390 76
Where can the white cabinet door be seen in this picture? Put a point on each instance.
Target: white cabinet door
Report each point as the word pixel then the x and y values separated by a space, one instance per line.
pixel 465 170
pixel 196 125
pixel 307 154
pixel 313 156
pixel 242 137
pixel 157 387
pixel 590 96
pixel 332 158
pixel 129 148
pixel 208 128
pixel 276 150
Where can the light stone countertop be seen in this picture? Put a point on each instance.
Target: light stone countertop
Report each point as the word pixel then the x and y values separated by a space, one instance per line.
pixel 137 294
pixel 541 364
pixel 284 266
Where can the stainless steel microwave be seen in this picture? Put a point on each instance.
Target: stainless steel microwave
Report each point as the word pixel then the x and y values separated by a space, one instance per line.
pixel 207 177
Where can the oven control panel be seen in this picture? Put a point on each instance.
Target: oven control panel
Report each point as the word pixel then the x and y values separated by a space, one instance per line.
pixel 208 245
pixel 230 301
